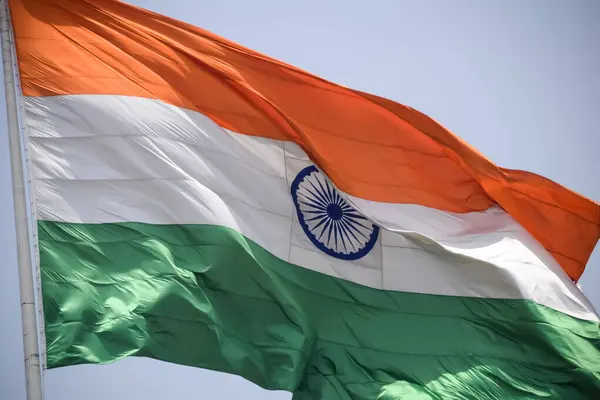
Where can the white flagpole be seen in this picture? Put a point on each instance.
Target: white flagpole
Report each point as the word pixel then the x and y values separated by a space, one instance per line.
pixel 33 372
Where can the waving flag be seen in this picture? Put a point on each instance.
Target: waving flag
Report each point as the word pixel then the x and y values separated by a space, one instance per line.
pixel 204 204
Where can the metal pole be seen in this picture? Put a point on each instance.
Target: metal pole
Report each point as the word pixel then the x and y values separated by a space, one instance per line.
pixel 33 373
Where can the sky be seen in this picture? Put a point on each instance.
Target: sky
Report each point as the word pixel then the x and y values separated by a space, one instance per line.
pixel 516 79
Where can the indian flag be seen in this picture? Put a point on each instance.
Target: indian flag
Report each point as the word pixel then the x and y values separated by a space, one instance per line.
pixel 200 203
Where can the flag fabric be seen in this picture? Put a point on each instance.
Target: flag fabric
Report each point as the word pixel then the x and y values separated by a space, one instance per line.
pixel 203 204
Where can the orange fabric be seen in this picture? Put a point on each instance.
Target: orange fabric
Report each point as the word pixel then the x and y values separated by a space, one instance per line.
pixel 370 147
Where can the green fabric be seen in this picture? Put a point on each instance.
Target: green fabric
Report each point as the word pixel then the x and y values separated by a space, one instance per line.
pixel 208 297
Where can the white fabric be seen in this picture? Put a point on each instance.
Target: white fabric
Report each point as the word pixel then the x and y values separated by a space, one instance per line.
pixel 102 159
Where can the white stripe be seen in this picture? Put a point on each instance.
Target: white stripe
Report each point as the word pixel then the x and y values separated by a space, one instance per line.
pixel 115 159
pixel 493 236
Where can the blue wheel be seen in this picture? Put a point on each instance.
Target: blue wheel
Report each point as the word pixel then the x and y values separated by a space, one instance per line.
pixel 330 223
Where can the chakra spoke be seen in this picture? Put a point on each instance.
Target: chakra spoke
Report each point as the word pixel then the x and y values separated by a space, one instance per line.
pixel 319 194
pixel 339 228
pixel 327 224
pixel 354 215
pixel 314 212
pixel 351 225
pixel 313 205
pixel 315 200
pixel 330 191
pixel 338 198
pixel 323 190
pixel 344 233
pixel 341 200
pixel 355 221
pixel 318 217
pixel 349 230
pixel 329 236
pixel 346 207
pixel 321 222
pixel 335 235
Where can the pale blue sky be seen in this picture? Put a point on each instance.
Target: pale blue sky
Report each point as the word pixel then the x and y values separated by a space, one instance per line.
pixel 517 79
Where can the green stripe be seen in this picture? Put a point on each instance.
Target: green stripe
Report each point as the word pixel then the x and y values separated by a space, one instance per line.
pixel 206 296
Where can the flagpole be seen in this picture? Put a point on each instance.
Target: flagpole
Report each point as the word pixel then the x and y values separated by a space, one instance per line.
pixel 33 372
